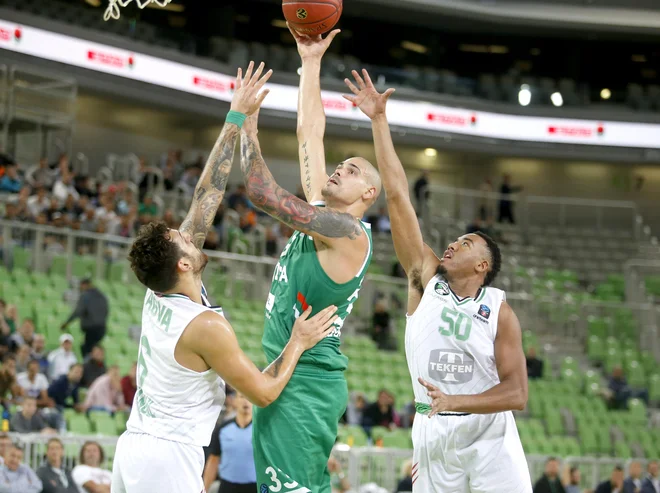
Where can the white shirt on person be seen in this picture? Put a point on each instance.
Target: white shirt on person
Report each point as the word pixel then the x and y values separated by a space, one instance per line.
pixel 83 474
pixel 32 388
pixel 59 362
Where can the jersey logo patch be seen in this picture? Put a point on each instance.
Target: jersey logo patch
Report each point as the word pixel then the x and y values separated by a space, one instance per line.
pixel 442 288
pixel 450 366
pixel 484 311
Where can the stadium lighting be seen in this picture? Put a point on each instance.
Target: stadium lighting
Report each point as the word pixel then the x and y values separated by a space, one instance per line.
pixel 605 93
pixel 94 3
pixel 416 47
pixel 556 99
pixel 525 95
pixel 430 152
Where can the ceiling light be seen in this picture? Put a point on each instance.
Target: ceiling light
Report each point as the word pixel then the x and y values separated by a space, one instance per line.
pixel 557 99
pixel 525 95
pixel 639 58
pixel 430 152
pixel 416 47
pixel 498 50
pixel 605 93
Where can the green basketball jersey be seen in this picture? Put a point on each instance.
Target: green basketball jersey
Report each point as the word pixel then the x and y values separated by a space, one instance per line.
pixel 298 282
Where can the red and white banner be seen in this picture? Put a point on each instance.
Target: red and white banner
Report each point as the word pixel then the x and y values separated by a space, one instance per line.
pixel 186 78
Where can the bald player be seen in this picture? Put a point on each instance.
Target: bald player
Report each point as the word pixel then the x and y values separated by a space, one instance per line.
pixel 325 259
pixel 463 342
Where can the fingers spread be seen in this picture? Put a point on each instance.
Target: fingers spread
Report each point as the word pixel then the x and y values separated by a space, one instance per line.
pixel 351 86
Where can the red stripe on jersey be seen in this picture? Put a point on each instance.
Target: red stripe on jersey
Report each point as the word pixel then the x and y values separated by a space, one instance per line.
pixel 303 301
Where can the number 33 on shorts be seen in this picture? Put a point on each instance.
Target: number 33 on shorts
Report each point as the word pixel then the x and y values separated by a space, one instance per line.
pixel 277 485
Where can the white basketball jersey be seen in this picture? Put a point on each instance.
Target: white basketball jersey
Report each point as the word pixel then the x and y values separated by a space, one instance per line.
pixel 450 342
pixel 173 402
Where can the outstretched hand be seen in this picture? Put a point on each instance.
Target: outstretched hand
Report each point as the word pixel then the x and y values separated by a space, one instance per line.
pixel 440 400
pixel 247 98
pixel 312 46
pixel 366 97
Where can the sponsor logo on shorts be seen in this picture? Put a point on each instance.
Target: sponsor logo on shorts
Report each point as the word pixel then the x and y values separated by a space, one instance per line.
pixel 450 366
pixel 442 288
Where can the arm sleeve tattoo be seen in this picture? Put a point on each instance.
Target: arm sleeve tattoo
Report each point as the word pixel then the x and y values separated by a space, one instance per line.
pixel 268 196
pixel 211 187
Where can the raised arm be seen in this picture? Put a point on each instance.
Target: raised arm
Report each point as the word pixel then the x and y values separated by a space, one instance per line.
pixel 311 115
pixel 214 340
pixel 267 195
pixel 406 233
pixel 210 189
pixel 508 395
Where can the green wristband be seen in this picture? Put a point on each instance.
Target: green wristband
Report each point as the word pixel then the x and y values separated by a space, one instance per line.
pixel 236 118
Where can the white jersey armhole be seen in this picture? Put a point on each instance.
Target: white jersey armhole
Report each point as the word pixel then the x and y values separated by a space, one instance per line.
pixel 179 365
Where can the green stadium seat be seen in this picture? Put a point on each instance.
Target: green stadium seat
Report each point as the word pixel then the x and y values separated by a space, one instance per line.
pixel 554 422
pixel 80 425
pixel 654 388
pixel 637 409
pixel 353 436
pixel 595 348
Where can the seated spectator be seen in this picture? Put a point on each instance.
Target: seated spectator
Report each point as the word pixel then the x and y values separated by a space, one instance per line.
pixel 406 483
pixel 95 366
pixel 35 384
pixel 238 197
pixel 129 385
pixel 43 176
pixel 381 326
pixel 572 480
pixel 651 484
pixel 64 390
pixel 633 483
pixel 17 477
pixel 5 443
pixel 355 409
pixel 39 352
pixel 54 476
pixel 88 220
pixel 534 364
pixel 64 187
pixel 71 210
pixel 620 392
pixel 148 207
pixel 23 336
pixel 212 241
pixel 23 358
pixel 82 186
pixel 549 482
pixel 22 209
pixel 53 209
pixel 338 480
pixel 8 383
pixel 247 217
pixel 614 484
pixel 126 202
pixel 381 412
pixel 39 202
pixel 88 474
pixel 105 394
pixel 11 182
pixel 62 359
pixel 29 420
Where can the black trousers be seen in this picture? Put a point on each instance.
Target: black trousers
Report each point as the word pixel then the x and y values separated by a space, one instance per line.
pixel 93 335
pixel 227 487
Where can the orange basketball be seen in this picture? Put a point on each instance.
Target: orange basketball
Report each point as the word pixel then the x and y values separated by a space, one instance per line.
pixel 312 17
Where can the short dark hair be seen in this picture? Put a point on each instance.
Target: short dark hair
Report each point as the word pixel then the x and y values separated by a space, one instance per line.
pixel 85 445
pixel 551 459
pixel 55 440
pixel 496 258
pixel 153 257
pixel 33 361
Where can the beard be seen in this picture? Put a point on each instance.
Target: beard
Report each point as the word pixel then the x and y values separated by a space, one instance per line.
pixel 442 271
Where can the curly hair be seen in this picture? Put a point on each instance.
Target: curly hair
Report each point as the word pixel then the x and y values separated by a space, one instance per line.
pixel 496 258
pixel 153 257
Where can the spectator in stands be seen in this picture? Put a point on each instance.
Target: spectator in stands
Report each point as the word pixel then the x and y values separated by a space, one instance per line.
pixel 5 443
pixel 126 227
pixel 549 482
pixel 421 190
pixel 64 389
pixel 22 209
pixel 506 205
pixel 633 483
pixel 39 202
pixel 35 384
pixel 64 187
pixel 88 474
pixel 238 197
pixel 620 392
pixel 129 385
pixel 95 366
pixel 380 222
pixel 405 485
pixel 105 394
pixel 338 480
pixel 572 482
pixel 106 214
pixel 148 207
pixel 614 484
pixel 381 412
pixel 355 409
pixel 89 222
pixel 534 364
pixel 39 352
pixel 54 476
pixel 28 420
pixel 22 358
pixel 11 182
pixel 24 336
pixel 16 477
pixel 651 484
pixel 53 208
pixel 43 176
pixel 8 383
pixel 71 210
pixel 247 217
pixel 92 309
pixel 232 441
pixel 212 241
pixel 63 358
pixel 381 326
pixel 126 202
pixel 486 209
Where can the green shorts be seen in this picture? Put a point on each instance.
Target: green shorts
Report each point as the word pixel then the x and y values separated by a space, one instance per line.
pixel 293 437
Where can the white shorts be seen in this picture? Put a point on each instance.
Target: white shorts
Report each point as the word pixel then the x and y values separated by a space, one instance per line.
pixel 146 464
pixel 478 453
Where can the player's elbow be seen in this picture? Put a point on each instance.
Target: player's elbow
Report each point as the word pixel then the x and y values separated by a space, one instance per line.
pixel 263 400
pixel 520 398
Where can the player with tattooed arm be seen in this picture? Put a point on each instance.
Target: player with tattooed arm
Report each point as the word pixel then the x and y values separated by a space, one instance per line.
pixel 187 348
pixel 324 263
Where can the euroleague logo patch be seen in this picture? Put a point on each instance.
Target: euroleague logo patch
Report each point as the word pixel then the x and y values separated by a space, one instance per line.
pixel 263 488
pixel 442 289
pixel 301 14
pixel 482 314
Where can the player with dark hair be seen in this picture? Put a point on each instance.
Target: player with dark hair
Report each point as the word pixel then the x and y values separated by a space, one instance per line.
pixel 187 348
pixel 463 341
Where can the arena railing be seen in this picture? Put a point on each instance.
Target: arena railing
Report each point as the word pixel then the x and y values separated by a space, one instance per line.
pixel 363 465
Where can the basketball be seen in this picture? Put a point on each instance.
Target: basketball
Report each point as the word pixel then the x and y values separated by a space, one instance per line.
pixel 312 17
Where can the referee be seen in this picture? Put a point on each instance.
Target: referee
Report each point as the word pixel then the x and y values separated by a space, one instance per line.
pixel 230 453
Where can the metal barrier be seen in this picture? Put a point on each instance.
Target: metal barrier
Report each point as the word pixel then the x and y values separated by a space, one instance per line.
pixel 363 465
